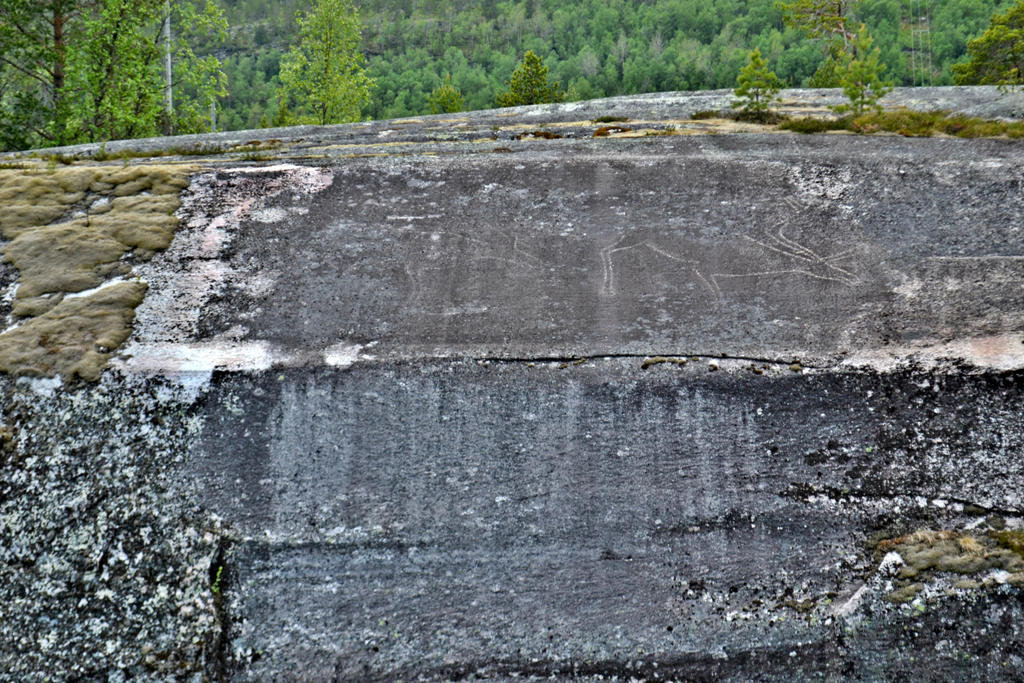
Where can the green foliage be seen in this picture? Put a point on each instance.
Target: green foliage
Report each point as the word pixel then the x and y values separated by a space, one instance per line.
pixel 826 22
pixel 87 70
pixel 322 78
pixel 910 124
pixel 199 79
pixel 822 20
pixel 215 585
pixel 757 86
pixel 997 56
pixel 446 98
pixel 810 124
pixel 529 84
pixel 593 48
pixel 861 77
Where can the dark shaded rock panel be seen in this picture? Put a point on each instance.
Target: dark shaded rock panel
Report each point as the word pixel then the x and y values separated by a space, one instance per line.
pixel 429 517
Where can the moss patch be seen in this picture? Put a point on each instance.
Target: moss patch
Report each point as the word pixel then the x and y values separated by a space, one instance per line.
pixel 75 337
pixel 909 123
pixel 70 229
pixel 658 360
pixel 927 554
pixel 67 257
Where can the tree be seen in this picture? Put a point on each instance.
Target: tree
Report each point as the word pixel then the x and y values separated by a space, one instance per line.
pixel 997 56
pixel 861 77
pixel 529 84
pixel 446 98
pixel 33 47
pixel 758 86
pixel 87 70
pixel 824 21
pixel 322 78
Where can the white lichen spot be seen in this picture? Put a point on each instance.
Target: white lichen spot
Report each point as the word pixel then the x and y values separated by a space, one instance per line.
pixel 891 563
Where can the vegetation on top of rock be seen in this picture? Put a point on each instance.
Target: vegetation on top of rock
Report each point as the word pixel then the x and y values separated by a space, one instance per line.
pixel 322 77
pixel 446 98
pixel 997 56
pixel 757 87
pixel 70 230
pixel 529 84
pixel 908 123
pixel 59 82
pixel 925 554
pixel 860 76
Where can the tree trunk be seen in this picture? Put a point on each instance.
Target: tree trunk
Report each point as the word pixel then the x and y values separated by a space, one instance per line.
pixel 59 15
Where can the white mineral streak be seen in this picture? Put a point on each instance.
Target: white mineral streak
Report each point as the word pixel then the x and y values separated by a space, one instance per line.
pixel 847 608
pixel 193 269
pixel 94 290
pixel 995 352
pixel 343 354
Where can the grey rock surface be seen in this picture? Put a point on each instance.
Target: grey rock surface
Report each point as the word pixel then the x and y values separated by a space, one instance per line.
pixel 453 398
pixel 600 518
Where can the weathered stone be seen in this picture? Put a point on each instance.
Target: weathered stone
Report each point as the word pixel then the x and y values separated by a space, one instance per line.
pixel 413 401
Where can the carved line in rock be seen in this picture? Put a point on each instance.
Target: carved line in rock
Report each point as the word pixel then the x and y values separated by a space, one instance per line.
pixel 805 261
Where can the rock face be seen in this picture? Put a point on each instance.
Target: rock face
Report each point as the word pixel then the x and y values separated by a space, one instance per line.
pixel 491 397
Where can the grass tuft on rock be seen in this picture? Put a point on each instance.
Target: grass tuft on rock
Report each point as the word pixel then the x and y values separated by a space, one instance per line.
pixel 909 123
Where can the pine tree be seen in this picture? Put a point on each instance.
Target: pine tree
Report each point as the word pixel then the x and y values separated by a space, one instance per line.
pixel 825 21
pixel 446 98
pixel 758 86
pixel 997 56
pixel 322 78
pixel 529 85
pixel 861 77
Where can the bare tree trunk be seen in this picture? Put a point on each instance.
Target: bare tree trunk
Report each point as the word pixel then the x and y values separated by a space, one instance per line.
pixel 168 75
pixel 58 67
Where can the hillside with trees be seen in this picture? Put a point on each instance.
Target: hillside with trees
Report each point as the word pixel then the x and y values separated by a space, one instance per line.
pixel 593 48
pixel 462 52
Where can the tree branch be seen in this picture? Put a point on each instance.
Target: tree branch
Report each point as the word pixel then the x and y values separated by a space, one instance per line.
pixel 25 71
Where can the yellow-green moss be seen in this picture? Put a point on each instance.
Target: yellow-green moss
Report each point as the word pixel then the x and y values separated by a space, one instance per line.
pixel 36 305
pixel 117 211
pixel 76 337
pixel 926 553
pixel 67 257
pixel 906 593
pixel 658 360
pixel 146 222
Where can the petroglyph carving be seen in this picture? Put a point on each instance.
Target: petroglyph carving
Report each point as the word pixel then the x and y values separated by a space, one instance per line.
pixel 437 252
pixel 777 255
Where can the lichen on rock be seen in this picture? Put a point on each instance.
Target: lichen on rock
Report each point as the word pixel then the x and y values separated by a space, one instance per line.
pixel 103 555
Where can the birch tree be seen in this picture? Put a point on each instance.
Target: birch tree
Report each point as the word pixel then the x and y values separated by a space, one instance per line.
pixel 322 78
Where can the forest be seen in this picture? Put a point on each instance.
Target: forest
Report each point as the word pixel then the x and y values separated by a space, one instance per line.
pixel 593 48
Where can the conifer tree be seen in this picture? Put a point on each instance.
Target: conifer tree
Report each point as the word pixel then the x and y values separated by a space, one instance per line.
pixel 825 21
pixel 446 98
pixel 997 56
pixel 861 77
pixel 757 86
pixel 529 84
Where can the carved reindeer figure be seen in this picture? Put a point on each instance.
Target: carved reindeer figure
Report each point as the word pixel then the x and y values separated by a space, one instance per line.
pixel 779 256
